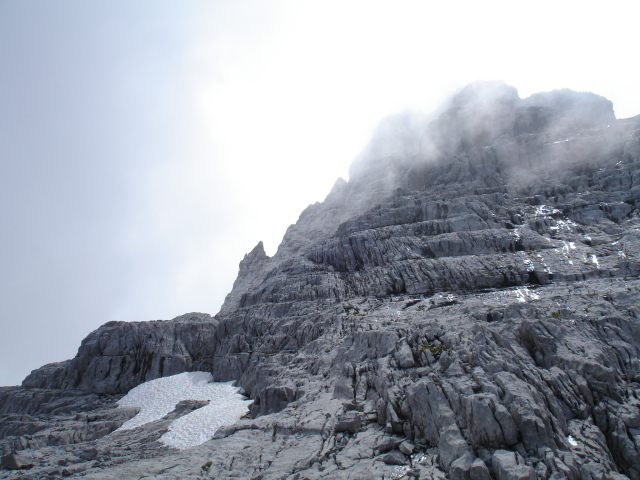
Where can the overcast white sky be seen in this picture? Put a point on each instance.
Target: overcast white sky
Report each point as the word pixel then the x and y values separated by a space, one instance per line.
pixel 146 146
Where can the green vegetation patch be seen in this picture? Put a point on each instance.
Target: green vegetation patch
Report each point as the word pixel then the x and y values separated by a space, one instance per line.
pixel 436 350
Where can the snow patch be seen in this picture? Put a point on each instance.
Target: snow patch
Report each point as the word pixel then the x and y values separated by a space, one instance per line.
pixel 544 210
pixel 563 226
pixel 523 294
pixel 567 247
pixel 159 397
pixel 529 264
pixel 545 267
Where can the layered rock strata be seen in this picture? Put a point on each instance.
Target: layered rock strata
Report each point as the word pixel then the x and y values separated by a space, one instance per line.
pixel 465 307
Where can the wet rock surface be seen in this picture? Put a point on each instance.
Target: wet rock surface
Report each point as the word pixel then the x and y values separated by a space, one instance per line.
pixel 466 306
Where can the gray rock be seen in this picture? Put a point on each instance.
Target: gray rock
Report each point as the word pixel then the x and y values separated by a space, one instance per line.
pixel 616 476
pixel 14 461
pixel 413 472
pixel 386 445
pixel 509 466
pixel 479 470
pixel 404 356
pixel 406 447
pixel 452 446
pixel 350 424
pixel 461 468
pixel 88 454
pixel 490 423
pixel 395 457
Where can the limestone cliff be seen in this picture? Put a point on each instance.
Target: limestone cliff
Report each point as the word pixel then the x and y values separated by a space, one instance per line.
pixel 465 306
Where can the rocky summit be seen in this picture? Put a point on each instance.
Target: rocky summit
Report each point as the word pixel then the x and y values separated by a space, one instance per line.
pixel 466 306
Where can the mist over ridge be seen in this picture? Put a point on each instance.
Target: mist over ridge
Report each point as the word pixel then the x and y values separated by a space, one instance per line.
pixel 477 115
pixel 485 135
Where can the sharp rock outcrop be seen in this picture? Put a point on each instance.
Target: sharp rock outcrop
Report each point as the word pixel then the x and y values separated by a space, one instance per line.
pixel 465 307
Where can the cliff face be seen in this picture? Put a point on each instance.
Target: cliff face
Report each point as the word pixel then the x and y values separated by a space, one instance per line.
pixel 467 304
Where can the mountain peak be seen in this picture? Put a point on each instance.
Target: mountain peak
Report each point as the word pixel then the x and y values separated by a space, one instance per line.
pixel 465 305
pixel 484 93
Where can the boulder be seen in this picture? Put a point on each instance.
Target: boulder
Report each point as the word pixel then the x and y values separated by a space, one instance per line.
pixel 395 457
pixel 14 461
pixel 510 466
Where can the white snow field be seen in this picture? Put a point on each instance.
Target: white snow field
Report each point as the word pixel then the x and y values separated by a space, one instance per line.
pixel 159 397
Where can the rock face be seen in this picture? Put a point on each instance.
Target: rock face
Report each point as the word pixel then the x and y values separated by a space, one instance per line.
pixel 466 306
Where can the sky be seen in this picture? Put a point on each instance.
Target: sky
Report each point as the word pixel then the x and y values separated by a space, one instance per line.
pixel 146 146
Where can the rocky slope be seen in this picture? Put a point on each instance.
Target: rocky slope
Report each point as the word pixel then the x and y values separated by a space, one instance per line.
pixel 465 307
